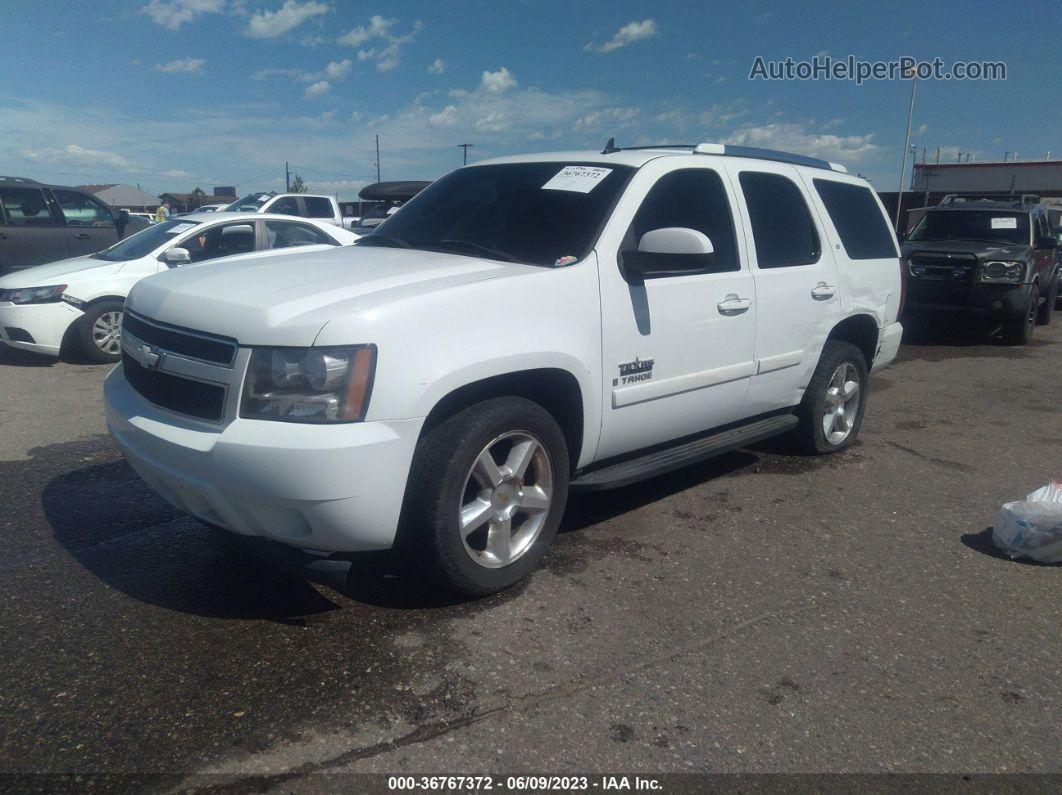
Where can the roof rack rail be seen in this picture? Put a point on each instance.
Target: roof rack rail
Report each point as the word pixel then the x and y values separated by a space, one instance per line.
pixel 20 180
pixel 998 198
pixel 731 150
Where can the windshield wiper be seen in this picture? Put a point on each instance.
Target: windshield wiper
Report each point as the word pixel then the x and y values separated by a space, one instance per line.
pixel 983 240
pixel 490 252
pixel 377 239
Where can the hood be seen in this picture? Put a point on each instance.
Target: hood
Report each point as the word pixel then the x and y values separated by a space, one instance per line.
pixel 64 271
pixel 983 251
pixel 287 299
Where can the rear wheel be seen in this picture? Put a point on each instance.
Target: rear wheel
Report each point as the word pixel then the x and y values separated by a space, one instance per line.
pixel 1018 330
pixel 832 409
pixel 99 336
pixel 486 493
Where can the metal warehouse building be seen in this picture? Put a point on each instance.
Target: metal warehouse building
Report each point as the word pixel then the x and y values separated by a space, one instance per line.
pixel 1042 177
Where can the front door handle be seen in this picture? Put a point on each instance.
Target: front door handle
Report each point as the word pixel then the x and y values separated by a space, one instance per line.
pixel 822 291
pixel 732 305
pixel 81 236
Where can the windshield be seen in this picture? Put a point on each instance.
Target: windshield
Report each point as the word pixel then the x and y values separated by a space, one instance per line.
pixel 378 211
pixel 535 213
pixel 981 226
pixel 145 241
pixel 249 203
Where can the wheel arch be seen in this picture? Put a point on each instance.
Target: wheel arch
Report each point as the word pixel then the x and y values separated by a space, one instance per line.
pixel 860 330
pixel 555 389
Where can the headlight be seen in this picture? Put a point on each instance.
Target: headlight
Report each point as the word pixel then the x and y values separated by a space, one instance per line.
pixel 1008 272
pixel 34 295
pixel 309 384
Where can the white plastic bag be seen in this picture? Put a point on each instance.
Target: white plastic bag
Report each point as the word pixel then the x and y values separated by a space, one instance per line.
pixel 1032 527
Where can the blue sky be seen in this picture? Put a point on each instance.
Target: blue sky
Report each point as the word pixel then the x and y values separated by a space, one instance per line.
pixel 172 94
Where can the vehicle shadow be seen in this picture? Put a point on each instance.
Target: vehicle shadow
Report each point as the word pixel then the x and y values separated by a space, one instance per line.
pixel 982 542
pixel 118 529
pixel 17 358
pixel 114 526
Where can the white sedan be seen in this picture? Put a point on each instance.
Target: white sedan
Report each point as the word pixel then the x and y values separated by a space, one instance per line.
pixel 78 302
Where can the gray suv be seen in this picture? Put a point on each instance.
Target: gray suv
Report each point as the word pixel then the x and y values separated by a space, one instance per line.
pixel 44 223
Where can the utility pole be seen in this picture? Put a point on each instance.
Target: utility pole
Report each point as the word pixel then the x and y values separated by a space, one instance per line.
pixel 287 178
pixel 466 148
pixel 377 158
pixel 906 143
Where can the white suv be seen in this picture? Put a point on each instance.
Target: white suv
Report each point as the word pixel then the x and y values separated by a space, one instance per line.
pixel 524 327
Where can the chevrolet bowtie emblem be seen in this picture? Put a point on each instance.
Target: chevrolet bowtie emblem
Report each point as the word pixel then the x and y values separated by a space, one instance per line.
pixel 146 356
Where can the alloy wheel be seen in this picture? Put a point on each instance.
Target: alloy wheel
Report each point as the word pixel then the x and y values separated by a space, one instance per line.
pixel 842 403
pixel 107 333
pixel 506 499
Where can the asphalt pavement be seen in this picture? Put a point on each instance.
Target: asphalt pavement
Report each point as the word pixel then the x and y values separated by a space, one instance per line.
pixel 763 612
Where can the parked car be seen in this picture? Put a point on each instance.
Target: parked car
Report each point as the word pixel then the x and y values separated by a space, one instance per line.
pixel 211 208
pixel 524 327
pixel 78 302
pixel 147 218
pixel 986 259
pixel 44 223
pixel 304 205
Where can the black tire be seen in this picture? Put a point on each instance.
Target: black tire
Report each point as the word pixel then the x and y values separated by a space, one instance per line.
pixel 441 480
pixel 1018 330
pixel 810 434
pixel 1047 308
pixel 89 339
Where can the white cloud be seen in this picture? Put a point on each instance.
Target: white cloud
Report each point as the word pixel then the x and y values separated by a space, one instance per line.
pixel 171 14
pixel 796 137
pixel 611 117
pixel 270 24
pixel 318 89
pixel 337 70
pixel 191 66
pixel 387 55
pixel 922 129
pixel 74 155
pixel 495 121
pixel 497 82
pixel 177 173
pixel 377 28
pixel 438 66
pixel 447 117
pixel 628 34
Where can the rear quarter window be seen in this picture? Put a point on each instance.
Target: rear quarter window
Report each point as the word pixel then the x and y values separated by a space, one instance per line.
pixel 858 220
pixel 317 207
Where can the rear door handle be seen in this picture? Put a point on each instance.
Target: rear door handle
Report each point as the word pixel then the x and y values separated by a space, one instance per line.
pixel 822 291
pixel 732 305
pixel 81 236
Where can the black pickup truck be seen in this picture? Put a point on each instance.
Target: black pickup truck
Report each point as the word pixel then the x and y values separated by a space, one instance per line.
pixel 991 259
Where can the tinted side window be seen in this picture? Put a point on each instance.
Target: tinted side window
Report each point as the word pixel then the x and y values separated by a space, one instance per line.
pixel 220 241
pixel 859 221
pixel 781 224
pixel 694 198
pixel 82 210
pixel 286 206
pixel 25 207
pixel 316 207
pixel 286 234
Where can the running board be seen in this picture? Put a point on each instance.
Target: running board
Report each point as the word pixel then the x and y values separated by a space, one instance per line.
pixel 647 466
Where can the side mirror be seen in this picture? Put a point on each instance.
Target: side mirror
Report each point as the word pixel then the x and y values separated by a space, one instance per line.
pixel 671 251
pixel 1046 242
pixel 176 256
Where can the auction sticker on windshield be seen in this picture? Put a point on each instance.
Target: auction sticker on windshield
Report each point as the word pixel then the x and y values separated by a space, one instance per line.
pixel 173 230
pixel 1004 223
pixel 580 179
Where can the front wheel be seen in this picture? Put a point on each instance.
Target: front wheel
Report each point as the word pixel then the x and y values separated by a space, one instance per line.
pixel 1047 308
pixel 486 493
pixel 832 409
pixel 1018 330
pixel 99 337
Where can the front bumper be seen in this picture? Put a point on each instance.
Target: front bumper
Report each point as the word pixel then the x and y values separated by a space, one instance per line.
pixel 978 299
pixel 328 488
pixel 44 324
